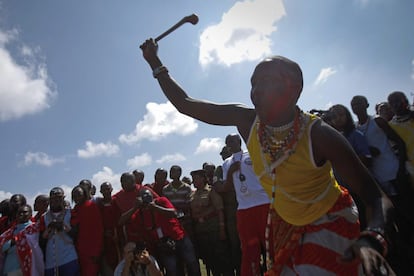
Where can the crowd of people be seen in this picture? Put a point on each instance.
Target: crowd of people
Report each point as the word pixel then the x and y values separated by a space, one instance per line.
pixel 313 194
pixel 219 216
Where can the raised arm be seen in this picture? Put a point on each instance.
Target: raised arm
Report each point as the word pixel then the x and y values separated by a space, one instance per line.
pixel 231 114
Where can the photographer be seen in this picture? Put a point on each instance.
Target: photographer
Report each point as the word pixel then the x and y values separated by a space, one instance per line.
pixel 137 262
pixel 57 237
pixel 156 221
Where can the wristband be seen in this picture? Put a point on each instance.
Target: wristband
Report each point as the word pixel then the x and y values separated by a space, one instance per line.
pixel 379 241
pixel 159 70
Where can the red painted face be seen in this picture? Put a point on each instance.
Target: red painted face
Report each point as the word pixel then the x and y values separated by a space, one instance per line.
pixel 273 95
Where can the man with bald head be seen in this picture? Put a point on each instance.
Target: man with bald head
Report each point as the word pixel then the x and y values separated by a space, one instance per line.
pixel 292 154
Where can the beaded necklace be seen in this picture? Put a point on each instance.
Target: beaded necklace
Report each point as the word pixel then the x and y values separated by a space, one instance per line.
pixel 278 150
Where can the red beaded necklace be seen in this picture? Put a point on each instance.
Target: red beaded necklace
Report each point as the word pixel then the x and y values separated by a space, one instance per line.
pixel 276 148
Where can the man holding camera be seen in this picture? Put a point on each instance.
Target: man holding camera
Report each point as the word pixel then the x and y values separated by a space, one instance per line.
pixel 137 261
pixel 57 237
pixel 156 221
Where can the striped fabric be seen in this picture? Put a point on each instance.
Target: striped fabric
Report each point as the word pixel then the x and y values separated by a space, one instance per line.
pixel 314 249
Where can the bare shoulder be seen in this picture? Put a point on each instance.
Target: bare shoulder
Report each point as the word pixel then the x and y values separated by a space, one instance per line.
pixel 245 124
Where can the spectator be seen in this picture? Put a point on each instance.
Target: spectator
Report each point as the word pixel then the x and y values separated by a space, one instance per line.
pixel 384 111
pixel 180 195
pixel 124 200
pixel 57 237
pixel 403 124
pixel 385 165
pixel 209 226
pixel 160 180
pixel 16 201
pixel 111 252
pixel 341 120
pixel 157 217
pixel 5 214
pixel 139 177
pixel 230 204
pixel 137 262
pixel 87 185
pixel 19 243
pixel 87 219
pixel 253 205
pixel 40 206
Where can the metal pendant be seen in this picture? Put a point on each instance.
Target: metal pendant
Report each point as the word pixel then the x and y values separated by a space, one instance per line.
pixel 243 188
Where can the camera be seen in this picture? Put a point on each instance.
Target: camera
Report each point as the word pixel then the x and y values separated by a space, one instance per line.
pixel 139 247
pixel 56 225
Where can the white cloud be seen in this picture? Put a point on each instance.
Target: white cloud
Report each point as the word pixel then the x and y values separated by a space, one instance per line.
pixel 5 195
pixel 170 158
pixel 209 144
pixel 41 158
pixel 139 161
pixel 24 88
pixel 324 74
pixel 160 121
pixel 106 174
pixel 94 150
pixel 243 33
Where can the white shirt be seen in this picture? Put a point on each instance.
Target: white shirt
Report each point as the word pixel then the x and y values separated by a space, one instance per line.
pixel 249 193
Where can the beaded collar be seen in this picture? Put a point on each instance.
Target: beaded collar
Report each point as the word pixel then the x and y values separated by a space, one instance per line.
pixel 402 118
pixel 279 149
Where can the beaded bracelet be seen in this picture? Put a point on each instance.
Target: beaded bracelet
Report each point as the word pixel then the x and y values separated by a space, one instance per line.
pixel 378 239
pixel 159 70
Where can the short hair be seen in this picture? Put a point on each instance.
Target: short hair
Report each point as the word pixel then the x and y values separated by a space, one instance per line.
pixel 28 206
pixel 56 191
pixel 235 135
pixel 398 94
pixel 361 98
pixel 127 176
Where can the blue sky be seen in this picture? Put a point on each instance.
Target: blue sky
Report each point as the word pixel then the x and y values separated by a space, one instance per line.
pixel 78 101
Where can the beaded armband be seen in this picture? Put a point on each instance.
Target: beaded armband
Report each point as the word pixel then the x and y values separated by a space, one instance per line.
pixel 159 70
pixel 377 238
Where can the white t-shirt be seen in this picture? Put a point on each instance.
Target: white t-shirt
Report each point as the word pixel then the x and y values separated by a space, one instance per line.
pixel 249 193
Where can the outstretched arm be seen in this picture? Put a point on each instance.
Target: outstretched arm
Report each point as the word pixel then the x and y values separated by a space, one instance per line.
pixel 330 145
pixel 212 113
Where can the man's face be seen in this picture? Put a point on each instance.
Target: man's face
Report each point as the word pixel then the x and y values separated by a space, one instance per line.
pixel 233 144
pixel 359 106
pixel 272 94
pixel 175 173
pixel 160 177
pixel 78 195
pixel 128 184
pixel 199 181
pixel 40 204
pixel 24 213
pixel 15 202
pixel 225 153
pixel 397 104
pixel 139 177
pixel 106 190
pixel 338 117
